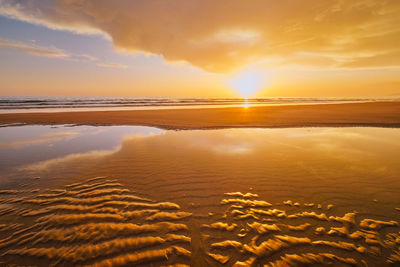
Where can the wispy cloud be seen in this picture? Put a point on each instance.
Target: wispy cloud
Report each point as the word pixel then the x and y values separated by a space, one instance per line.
pixel 111 65
pixel 53 52
pixel 227 34
pixel 98 62
pixel 33 49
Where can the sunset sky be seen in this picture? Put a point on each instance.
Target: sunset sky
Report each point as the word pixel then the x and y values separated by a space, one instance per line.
pixel 203 48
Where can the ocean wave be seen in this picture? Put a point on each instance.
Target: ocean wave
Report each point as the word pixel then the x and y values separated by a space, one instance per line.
pixel 11 103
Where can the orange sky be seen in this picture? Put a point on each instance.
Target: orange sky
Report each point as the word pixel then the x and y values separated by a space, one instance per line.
pixel 196 48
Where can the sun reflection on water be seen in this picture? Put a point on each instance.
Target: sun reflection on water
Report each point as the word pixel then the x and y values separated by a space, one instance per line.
pixel 246 103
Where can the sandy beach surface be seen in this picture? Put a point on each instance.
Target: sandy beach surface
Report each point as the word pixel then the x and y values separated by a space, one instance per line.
pixel 143 196
pixel 225 197
pixel 383 114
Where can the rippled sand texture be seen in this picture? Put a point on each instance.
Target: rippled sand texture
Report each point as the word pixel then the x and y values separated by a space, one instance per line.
pixel 100 223
pixel 253 232
pixel 94 223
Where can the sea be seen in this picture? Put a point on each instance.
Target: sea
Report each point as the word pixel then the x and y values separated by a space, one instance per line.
pixel 56 104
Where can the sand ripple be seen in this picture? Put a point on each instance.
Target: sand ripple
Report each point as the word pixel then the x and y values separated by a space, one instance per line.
pixel 297 234
pixel 98 222
pixel 94 223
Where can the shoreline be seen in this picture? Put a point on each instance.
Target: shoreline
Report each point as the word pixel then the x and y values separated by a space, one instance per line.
pixel 370 114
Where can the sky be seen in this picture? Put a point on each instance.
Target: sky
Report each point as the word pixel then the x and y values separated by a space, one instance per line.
pixel 200 48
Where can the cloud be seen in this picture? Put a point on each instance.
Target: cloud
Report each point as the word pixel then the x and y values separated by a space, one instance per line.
pixel 52 52
pixel 385 59
pixel 33 49
pixel 112 65
pixel 225 35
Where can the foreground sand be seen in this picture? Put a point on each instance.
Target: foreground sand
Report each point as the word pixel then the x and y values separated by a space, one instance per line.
pixel 100 223
pixel 227 197
pixel 384 114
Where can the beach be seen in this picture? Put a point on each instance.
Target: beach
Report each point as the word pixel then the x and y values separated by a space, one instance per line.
pixel 142 196
pixel 237 186
pixel 380 114
pixel 241 185
pixel 199 133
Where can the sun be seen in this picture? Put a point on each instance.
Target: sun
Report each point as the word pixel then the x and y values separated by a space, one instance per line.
pixel 247 84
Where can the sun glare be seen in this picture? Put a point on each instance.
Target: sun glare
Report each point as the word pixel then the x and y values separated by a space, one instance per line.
pixel 247 84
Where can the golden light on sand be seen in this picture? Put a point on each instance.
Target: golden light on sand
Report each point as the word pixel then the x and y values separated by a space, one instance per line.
pixel 247 84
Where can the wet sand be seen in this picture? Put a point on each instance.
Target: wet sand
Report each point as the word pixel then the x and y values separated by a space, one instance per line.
pixel 227 197
pixel 381 114
pixel 99 222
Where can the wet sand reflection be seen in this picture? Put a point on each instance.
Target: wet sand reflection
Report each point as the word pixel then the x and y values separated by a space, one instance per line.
pixel 238 197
